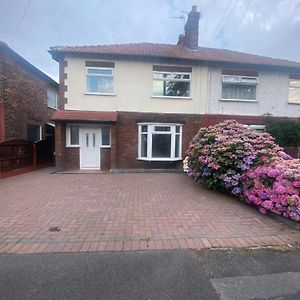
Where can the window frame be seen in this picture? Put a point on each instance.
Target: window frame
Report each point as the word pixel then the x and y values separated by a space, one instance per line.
pixel 241 82
pixel 106 146
pixel 257 128
pixel 173 80
pixel 150 132
pixel 99 75
pixel 55 93
pixel 40 130
pixel 68 136
pixel 80 126
pixel 297 87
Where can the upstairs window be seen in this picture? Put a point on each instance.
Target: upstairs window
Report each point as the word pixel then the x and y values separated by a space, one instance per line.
pixel 294 89
pixel 51 99
pixel 160 142
pixel 172 81
pixel 100 77
pixel 236 86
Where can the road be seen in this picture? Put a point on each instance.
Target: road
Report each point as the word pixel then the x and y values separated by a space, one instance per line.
pixel 169 274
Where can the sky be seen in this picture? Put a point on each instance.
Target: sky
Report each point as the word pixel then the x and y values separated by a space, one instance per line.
pixel 263 27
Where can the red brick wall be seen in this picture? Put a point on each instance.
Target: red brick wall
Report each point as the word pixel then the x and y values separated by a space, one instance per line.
pixel 105 158
pixel 127 137
pixel 24 96
pixel 2 122
pixel 208 120
pixel 71 158
pixel 124 139
pixel 60 145
pixel 124 142
pixel 65 157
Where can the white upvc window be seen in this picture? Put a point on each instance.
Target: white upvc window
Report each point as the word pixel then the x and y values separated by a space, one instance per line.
pixel 159 141
pixel 100 80
pixel 235 87
pixel 294 91
pixel 105 137
pixel 172 84
pixel 72 135
pixel 258 128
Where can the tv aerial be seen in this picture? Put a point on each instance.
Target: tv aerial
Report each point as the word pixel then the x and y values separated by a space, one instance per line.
pixel 181 17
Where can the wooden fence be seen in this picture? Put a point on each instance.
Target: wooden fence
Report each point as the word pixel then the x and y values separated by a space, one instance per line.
pixel 21 156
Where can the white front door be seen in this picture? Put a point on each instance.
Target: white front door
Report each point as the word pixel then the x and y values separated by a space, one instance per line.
pixel 90 148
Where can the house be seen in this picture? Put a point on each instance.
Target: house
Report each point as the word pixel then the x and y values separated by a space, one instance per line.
pixel 28 98
pixel 138 105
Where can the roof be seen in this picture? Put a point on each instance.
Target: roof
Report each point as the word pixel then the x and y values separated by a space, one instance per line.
pixel 6 50
pixel 151 50
pixel 80 115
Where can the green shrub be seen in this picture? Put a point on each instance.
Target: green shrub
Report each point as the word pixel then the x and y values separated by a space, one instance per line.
pixel 286 132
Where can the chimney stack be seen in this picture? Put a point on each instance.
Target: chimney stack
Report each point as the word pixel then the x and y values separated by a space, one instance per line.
pixel 191 28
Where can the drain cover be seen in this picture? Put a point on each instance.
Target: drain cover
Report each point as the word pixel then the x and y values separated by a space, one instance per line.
pixel 55 229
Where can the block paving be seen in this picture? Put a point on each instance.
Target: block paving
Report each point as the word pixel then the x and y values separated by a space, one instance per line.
pixel 124 212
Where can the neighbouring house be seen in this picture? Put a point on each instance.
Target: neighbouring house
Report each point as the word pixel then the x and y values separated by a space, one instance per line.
pixel 139 105
pixel 28 98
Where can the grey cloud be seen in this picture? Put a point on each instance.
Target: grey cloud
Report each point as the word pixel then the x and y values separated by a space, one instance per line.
pixel 268 27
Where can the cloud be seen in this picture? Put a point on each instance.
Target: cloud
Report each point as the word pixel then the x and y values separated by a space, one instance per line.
pixel 268 27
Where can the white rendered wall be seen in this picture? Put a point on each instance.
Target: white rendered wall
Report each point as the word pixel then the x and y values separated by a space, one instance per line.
pixel 272 96
pixel 133 90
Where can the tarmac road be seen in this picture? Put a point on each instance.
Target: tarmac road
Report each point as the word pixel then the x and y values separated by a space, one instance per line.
pixel 175 274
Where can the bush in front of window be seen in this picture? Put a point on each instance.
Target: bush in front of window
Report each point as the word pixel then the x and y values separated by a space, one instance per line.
pixel 250 165
pixel 220 155
pixel 286 132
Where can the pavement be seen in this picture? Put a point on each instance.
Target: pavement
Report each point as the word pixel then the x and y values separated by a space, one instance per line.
pixel 41 212
pixel 161 274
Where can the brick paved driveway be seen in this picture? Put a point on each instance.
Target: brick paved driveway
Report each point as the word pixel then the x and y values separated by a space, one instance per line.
pixel 115 212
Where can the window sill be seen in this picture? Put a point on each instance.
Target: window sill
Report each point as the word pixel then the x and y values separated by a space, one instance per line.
pixel 99 94
pixel 54 108
pixel 172 97
pixel 72 146
pixel 159 159
pixel 105 147
pixel 293 103
pixel 238 100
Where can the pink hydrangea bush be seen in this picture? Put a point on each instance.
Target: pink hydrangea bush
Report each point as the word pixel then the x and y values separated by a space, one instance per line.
pixel 219 155
pixel 275 187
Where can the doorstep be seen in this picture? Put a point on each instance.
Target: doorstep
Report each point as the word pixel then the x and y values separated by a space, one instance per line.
pixel 80 171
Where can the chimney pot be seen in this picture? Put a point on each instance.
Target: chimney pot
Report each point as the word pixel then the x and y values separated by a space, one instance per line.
pixel 181 39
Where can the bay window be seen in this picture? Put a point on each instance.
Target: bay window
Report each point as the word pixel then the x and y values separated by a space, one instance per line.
pixel 159 142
